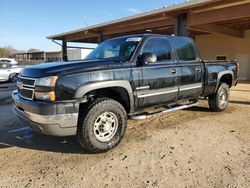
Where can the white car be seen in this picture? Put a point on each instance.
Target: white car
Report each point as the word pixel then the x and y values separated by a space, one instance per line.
pixel 9 72
pixel 8 60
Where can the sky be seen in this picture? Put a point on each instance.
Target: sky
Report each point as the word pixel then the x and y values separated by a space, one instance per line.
pixel 25 24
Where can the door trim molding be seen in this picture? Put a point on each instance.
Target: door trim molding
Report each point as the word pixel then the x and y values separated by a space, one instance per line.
pixel 162 91
pixel 142 88
pixel 154 92
pixel 190 86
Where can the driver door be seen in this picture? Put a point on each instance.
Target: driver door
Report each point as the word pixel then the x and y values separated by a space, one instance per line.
pixel 160 79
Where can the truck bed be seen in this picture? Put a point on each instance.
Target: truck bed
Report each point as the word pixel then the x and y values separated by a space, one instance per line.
pixel 214 69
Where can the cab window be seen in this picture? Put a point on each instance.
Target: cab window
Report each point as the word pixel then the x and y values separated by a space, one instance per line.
pixel 184 49
pixel 159 47
pixel 119 49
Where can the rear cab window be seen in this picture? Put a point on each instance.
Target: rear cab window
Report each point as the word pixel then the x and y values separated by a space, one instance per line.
pixel 185 50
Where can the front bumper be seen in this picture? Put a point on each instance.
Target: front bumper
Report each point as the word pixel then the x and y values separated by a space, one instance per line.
pixel 56 119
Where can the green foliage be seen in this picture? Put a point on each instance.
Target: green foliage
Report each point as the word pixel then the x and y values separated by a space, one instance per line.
pixel 7 51
pixel 33 50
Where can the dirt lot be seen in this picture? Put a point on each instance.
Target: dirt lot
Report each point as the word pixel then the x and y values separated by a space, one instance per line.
pixel 188 148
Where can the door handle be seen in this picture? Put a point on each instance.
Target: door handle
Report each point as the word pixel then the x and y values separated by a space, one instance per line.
pixel 198 69
pixel 173 70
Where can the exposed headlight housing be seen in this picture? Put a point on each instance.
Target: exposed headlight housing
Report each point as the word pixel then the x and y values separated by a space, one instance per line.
pixel 44 88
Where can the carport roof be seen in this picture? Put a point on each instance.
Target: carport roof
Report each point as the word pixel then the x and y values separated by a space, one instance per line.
pixel 225 17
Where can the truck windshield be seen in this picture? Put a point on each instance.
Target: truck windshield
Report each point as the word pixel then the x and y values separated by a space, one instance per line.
pixel 120 49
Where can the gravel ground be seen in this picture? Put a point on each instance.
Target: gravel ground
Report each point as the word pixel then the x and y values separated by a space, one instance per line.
pixel 188 148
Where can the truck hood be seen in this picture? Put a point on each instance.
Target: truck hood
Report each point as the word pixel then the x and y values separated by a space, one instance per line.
pixel 63 68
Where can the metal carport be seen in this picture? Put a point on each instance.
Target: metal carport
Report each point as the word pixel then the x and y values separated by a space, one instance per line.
pixel 192 18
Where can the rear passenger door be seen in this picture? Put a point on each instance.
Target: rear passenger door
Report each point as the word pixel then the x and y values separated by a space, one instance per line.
pixel 160 79
pixel 190 66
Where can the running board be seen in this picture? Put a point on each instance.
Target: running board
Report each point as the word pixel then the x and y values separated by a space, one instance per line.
pixel 141 117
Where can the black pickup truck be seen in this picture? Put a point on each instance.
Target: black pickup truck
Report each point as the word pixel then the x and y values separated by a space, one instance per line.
pixel 120 79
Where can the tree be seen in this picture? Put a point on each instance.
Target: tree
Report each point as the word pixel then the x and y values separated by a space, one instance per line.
pixel 33 50
pixel 7 51
pixel 2 52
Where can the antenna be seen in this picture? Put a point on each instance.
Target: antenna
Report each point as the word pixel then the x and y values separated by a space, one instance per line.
pixel 85 21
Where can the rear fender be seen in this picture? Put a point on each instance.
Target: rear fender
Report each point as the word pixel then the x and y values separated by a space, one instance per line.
pixel 220 75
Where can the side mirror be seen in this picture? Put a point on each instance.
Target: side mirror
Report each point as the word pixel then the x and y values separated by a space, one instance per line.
pixel 147 58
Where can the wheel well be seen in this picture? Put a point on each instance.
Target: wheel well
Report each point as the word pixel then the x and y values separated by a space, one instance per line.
pixel 117 93
pixel 14 73
pixel 227 78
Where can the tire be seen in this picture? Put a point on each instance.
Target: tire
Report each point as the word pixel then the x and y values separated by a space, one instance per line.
pixel 13 77
pixel 219 101
pixel 102 125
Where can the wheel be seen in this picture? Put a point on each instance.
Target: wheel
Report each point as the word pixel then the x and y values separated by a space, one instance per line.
pixel 219 101
pixel 13 77
pixel 102 126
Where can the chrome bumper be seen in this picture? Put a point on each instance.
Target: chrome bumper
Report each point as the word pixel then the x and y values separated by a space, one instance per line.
pixel 56 125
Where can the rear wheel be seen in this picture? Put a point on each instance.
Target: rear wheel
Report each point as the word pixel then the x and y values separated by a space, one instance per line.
pixel 219 101
pixel 102 126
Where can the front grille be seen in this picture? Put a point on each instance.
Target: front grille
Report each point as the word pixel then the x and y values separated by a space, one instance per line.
pixel 26 81
pixel 26 93
pixel 26 87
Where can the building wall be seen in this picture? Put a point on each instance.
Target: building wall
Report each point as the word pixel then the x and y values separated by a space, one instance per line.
pixel 29 58
pixel 53 56
pixel 75 54
pixel 234 48
pixel 37 56
pixel 85 52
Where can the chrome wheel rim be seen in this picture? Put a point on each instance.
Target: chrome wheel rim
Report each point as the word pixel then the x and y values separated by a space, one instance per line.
pixel 223 97
pixel 105 126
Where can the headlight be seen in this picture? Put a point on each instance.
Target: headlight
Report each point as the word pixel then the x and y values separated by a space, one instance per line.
pixel 47 81
pixel 44 88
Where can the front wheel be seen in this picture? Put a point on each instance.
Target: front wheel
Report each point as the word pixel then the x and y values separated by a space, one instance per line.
pixel 219 101
pixel 103 125
pixel 13 77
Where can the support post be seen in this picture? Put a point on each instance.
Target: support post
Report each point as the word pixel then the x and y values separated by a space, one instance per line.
pixel 100 37
pixel 181 27
pixel 44 56
pixel 64 51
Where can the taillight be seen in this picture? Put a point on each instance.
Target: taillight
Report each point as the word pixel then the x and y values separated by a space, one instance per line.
pixel 238 70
